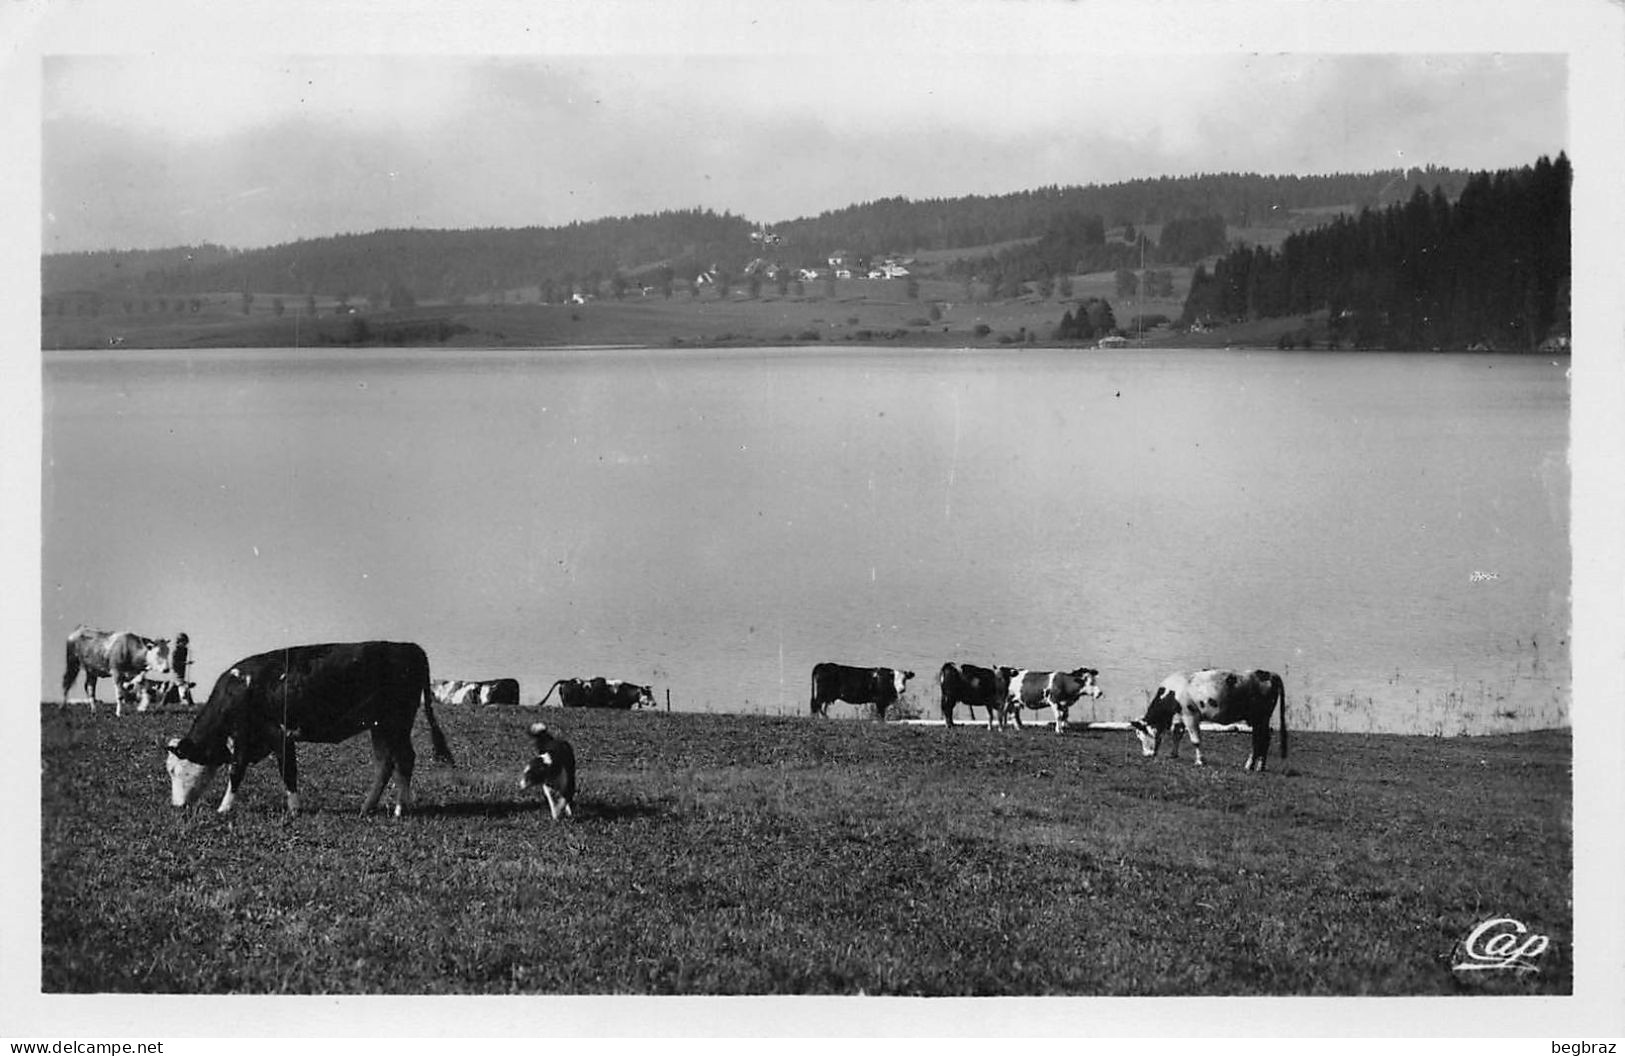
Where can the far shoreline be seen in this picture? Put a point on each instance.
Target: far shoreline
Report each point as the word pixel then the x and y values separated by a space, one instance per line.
pixel 654 325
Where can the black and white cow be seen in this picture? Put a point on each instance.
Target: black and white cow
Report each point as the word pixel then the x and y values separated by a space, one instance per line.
pixel 1214 696
pixel 324 694
pixel 1058 690
pixel 880 686
pixel 554 768
pixel 975 687
pixel 452 691
pixel 128 658
pixel 600 693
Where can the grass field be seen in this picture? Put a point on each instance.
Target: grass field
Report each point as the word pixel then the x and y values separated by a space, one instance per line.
pixel 718 854
pixel 859 311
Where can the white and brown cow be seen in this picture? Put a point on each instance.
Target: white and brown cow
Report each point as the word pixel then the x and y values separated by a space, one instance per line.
pixel 599 692
pixel 1214 696
pixel 1058 690
pixel 553 767
pixel 127 658
pixel 454 691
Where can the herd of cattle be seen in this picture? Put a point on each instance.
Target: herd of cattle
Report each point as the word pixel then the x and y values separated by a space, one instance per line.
pixel 263 705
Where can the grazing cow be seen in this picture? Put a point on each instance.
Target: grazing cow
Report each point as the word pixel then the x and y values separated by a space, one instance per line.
pixel 1219 697
pixel 173 688
pixel 500 691
pixel 127 658
pixel 166 693
pixel 880 686
pixel 600 693
pixel 1057 689
pixel 973 687
pixel 554 768
pixel 318 693
pixel 453 691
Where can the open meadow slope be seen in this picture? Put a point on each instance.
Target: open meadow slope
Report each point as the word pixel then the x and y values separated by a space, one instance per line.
pixel 718 854
pixel 851 310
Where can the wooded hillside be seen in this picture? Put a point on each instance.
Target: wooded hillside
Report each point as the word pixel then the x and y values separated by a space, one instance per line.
pixel 402 266
pixel 1490 269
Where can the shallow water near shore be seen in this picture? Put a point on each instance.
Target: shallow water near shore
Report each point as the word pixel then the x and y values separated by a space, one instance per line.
pixel 1388 530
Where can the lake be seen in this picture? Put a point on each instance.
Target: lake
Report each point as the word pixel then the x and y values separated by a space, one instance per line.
pixel 1390 531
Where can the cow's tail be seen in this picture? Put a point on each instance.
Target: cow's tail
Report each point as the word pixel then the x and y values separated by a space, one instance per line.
pixel 549 693
pixel 1280 689
pixel 442 750
pixel 73 669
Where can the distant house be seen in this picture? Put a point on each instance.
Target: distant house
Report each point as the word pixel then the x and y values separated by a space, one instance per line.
pixel 807 274
pixel 1114 341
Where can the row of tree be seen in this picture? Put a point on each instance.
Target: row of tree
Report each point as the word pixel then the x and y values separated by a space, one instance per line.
pixel 1490 268
pixel 1237 199
pixel 1092 320
pixel 1061 230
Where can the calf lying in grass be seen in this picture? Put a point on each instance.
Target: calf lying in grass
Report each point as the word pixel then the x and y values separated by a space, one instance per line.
pixel 554 768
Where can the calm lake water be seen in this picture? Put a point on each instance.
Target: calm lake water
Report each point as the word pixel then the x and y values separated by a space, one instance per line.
pixel 1390 531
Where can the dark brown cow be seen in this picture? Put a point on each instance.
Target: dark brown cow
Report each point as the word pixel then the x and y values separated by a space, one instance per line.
pixel 1058 690
pixel 129 659
pixel 880 686
pixel 1214 696
pixel 975 687
pixel 600 693
pixel 319 693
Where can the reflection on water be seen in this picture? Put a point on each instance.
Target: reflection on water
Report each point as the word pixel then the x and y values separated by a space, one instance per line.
pixel 1390 531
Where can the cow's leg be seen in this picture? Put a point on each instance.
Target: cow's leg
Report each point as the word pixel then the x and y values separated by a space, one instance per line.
pixel 234 781
pixel 555 802
pixel 1193 726
pixel 288 760
pixel 383 768
pixel 405 760
pixel 1176 733
pixel 1261 747
pixel 1059 713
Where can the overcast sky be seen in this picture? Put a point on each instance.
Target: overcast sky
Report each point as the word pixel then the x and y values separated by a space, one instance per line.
pixel 151 149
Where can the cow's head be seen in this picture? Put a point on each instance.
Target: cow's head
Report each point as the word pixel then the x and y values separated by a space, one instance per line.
pixel 157 657
pixel 1090 678
pixel 1159 715
pixel 190 771
pixel 1150 737
pixel 900 680
pixel 646 696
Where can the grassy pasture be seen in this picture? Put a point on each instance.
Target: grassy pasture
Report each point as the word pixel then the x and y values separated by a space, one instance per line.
pixel 726 854
pixel 875 311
